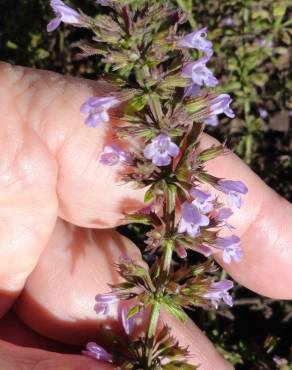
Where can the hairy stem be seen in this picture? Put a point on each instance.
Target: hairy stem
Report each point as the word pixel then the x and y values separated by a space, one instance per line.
pixel 152 326
pixel 166 264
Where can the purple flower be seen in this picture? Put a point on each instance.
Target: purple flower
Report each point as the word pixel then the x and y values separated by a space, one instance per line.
pixel 191 220
pixel 200 73
pixel 219 290
pixel 233 189
pixel 280 361
pixel 113 155
pixel 227 21
pixel 103 302
pixel 160 150
pixel 204 201
pixel 263 113
pixel 96 109
pixel 197 40
pixel 97 352
pixel 63 14
pixel 193 90
pixel 212 121
pixel 222 215
pixel 265 43
pixel 231 248
pixel 220 104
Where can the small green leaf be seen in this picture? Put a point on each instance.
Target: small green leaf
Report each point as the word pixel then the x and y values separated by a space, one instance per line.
pixel 154 316
pixel 259 79
pixel 11 45
pixel 148 196
pixel 175 310
pixel 168 249
pixel 139 219
pixel 211 153
pixel 138 102
pixel 174 81
pixel 133 311
pixel 171 196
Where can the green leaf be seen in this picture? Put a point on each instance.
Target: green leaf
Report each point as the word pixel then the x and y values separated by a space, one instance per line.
pixel 138 102
pixel 188 142
pixel 139 219
pixel 154 316
pixel 168 249
pixel 133 311
pixel 195 105
pixel 171 196
pixel 205 177
pixel 260 79
pixel 279 10
pixel 174 81
pixel 149 195
pixel 155 106
pixel 211 153
pixel 11 45
pixel 174 310
pixel 193 135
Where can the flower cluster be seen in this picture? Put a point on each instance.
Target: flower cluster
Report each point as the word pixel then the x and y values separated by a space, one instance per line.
pixel 164 98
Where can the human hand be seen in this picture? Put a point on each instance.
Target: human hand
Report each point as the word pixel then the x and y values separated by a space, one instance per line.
pixel 49 168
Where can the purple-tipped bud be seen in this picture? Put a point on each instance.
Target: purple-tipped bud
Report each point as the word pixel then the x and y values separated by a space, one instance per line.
pixel 113 155
pixel 103 302
pixel 63 14
pixel 203 249
pixel 220 104
pixel 233 189
pixel 230 246
pixel 197 40
pixel 191 220
pixel 199 73
pixel 96 109
pixel 204 201
pixel 219 290
pixel 95 351
pixel 160 150
pixel 181 252
pixel 129 324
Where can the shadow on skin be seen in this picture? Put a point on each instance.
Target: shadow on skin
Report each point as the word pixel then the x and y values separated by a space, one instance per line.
pixel 14 331
pixel 58 300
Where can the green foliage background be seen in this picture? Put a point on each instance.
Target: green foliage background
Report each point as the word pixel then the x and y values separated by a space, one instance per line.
pixel 252 59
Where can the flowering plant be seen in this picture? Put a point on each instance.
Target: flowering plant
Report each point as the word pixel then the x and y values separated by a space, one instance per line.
pixel 162 99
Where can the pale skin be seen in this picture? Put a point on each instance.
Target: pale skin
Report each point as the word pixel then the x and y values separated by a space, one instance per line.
pixel 57 204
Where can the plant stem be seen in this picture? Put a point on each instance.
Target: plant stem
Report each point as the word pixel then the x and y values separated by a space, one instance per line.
pixel 166 264
pixel 153 320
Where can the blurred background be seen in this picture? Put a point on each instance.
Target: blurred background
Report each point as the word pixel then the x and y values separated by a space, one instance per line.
pixel 252 60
